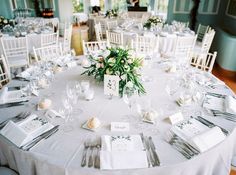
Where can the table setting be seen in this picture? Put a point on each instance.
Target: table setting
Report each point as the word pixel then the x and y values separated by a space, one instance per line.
pixel 119 126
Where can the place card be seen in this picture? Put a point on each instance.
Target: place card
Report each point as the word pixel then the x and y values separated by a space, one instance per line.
pixel 111 85
pixel 175 118
pixel 120 126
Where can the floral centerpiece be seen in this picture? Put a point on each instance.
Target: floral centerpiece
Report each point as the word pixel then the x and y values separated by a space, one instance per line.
pixel 120 62
pixel 152 21
pixel 111 13
pixel 4 21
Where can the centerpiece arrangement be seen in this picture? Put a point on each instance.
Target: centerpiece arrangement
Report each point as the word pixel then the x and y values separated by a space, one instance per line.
pixel 111 13
pixel 152 21
pixel 119 62
pixel 4 22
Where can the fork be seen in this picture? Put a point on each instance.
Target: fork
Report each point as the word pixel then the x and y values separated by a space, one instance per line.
pixel 17 118
pixel 90 161
pixel 86 146
pixel 97 157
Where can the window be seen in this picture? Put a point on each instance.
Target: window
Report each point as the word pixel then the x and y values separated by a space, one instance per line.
pixel 121 5
pixel 18 4
pixel 231 8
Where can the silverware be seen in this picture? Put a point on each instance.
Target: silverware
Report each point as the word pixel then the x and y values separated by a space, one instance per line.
pixel 37 139
pixel 86 146
pixel 17 118
pixel 149 151
pixel 7 105
pixel 180 145
pixel 210 124
pixel 90 161
pixel 97 157
pixel 227 116
pixel 215 95
pixel 145 149
pixel 153 148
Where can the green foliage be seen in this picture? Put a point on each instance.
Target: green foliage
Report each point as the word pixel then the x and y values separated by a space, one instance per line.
pixel 152 21
pixel 78 5
pixel 120 62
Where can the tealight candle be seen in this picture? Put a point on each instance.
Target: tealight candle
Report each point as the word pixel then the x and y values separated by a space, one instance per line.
pixel 85 86
pixel 89 94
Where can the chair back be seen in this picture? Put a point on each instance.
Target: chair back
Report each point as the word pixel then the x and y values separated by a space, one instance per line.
pixel 91 46
pixel 207 41
pixel 112 24
pixel 115 39
pixel 49 39
pixel 202 29
pixel 67 39
pixel 98 31
pixel 204 61
pixel 4 72
pixel 47 53
pixel 16 51
pixel 145 44
pixel 103 23
pixel 184 44
pixel 145 17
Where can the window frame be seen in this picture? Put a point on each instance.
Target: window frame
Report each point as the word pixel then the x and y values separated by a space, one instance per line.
pixel 227 10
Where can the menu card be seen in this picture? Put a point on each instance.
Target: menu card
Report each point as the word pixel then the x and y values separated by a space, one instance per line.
pixel 22 132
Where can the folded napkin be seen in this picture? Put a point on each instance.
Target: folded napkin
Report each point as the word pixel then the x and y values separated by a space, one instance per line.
pixel 230 105
pixel 26 130
pixel 171 69
pixel 3 95
pixel 208 139
pixel 122 152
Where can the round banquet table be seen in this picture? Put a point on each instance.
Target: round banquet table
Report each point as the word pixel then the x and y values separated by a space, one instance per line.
pixel 61 153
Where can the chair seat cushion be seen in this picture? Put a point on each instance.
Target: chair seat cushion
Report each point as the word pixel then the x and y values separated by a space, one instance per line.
pixel 7 171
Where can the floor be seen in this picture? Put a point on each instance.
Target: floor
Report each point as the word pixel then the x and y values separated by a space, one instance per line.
pixel 230 79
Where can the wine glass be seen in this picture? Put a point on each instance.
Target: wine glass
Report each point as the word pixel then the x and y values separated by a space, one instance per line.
pixel 66 112
pixel 130 94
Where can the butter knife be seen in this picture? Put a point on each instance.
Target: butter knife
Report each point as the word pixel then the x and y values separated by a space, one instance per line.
pixel 210 124
pixel 145 148
pixel 153 149
pixel 37 139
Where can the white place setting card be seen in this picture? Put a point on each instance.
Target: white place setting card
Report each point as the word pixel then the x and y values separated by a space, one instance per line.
pixel 120 126
pixel 111 85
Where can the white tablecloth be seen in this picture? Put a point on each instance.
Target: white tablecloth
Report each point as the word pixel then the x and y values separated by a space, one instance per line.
pixel 61 153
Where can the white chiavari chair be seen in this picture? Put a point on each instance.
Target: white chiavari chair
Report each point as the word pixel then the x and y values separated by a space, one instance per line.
pixel 145 45
pixel 103 23
pixel 47 53
pixel 204 61
pixel 92 46
pixel 184 44
pixel 66 45
pixel 205 46
pixel 98 32
pixel 16 51
pixel 4 72
pixel 49 39
pixel 115 39
pixel 112 24
pixel 202 29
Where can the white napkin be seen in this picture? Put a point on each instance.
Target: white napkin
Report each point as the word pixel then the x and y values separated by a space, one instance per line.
pixel 3 95
pixel 122 153
pixel 208 139
pixel 26 130
pixel 230 105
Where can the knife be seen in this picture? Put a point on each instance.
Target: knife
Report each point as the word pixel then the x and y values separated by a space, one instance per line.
pixel 37 139
pixel 210 124
pixel 145 148
pixel 153 149
pixel 7 105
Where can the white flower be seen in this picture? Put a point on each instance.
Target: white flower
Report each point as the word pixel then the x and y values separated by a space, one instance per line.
pixel 108 72
pixel 117 73
pixel 130 61
pixel 98 65
pixel 129 84
pixel 127 68
pixel 5 21
pixel 106 53
pixel 112 61
pixel 123 77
